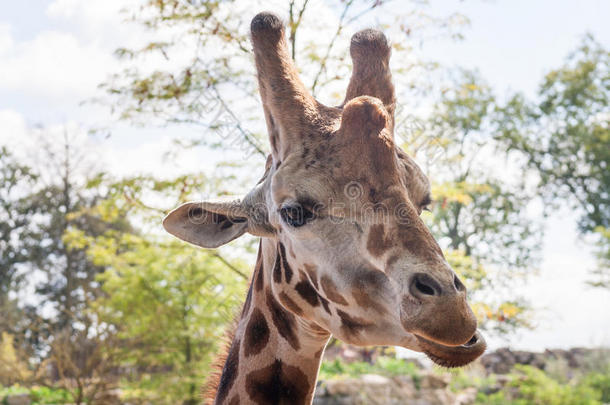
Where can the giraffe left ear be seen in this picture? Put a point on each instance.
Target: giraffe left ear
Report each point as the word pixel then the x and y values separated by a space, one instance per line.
pixel 207 224
pixel 211 224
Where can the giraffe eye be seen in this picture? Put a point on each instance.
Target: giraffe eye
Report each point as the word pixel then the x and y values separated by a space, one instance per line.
pixel 425 204
pixel 296 215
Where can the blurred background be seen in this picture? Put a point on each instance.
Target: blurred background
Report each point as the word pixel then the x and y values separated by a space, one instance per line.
pixel 113 112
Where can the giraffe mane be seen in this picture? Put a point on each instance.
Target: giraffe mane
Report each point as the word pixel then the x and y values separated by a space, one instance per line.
pixel 210 386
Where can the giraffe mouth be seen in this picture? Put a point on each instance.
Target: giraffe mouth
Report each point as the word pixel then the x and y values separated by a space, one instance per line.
pixel 453 356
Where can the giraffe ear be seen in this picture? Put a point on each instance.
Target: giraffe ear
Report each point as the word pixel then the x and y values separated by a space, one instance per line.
pixel 211 224
pixel 207 224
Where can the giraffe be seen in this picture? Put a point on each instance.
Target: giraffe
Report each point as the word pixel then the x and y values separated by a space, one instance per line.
pixel 342 249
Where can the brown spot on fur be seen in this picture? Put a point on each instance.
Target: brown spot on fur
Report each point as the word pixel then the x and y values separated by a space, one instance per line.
pixel 378 243
pixel 331 291
pixel 393 259
pixel 311 270
pixel 285 265
pixel 278 383
pixel 234 400
pixel 307 292
pixel 257 333
pixel 418 240
pixel 364 300
pixel 324 302
pixel 289 303
pixel 229 372
pixel 283 320
pixel 351 325
pixel 259 269
pixel 277 269
pixel 374 281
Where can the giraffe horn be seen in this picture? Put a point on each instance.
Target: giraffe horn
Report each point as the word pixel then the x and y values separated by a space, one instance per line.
pixel 288 105
pixel 371 74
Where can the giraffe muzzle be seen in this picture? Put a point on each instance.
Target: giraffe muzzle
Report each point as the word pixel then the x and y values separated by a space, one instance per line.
pixel 453 356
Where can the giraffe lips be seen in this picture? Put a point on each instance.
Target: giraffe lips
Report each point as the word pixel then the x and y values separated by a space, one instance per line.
pixel 453 356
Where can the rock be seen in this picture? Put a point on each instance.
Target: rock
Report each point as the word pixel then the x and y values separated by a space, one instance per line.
pixel 374 379
pixel 434 381
pixel 466 397
pixel 370 389
pixel 341 387
pixel 21 399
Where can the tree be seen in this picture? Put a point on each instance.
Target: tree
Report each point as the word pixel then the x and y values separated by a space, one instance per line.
pixel 83 364
pixel 168 303
pixel 52 327
pixel 13 368
pixel 18 237
pixel 565 137
pixel 69 277
pixel 601 274
pixel 204 75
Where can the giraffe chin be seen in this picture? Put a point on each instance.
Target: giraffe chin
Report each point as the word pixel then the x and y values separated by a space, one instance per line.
pixel 453 356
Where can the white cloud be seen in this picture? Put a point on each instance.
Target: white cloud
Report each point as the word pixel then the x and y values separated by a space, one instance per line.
pixel 13 128
pixel 67 64
pixel 6 40
pixel 54 65
pixel 100 20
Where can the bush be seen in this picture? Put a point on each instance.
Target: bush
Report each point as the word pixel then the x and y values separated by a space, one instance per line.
pixel 46 395
pixel 532 386
pixel 601 383
pixel 38 395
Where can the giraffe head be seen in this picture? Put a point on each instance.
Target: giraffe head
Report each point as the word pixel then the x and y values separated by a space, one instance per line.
pixel 340 203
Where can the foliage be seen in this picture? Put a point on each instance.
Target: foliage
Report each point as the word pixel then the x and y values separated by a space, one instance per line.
pixel 46 395
pixel 601 383
pixel 37 395
pixel 565 138
pixel 601 274
pixel 204 77
pixel 69 283
pixel 16 211
pixel 461 379
pixel 530 385
pixel 565 135
pixel 19 240
pixel 525 385
pixel 168 303
pixel 12 366
pixel 82 364
pixel 478 208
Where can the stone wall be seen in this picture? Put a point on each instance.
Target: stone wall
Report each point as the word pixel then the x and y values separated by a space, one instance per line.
pixel 430 389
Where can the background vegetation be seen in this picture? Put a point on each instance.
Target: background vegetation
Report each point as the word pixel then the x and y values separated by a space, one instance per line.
pixel 116 308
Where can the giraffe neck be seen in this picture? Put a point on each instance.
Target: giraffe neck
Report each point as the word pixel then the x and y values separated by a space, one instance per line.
pixel 275 354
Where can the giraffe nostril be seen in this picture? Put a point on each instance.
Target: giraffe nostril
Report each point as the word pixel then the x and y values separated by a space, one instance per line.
pixel 424 285
pixel 458 284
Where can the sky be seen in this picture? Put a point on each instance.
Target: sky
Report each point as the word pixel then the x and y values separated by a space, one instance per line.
pixel 54 53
